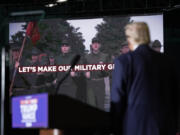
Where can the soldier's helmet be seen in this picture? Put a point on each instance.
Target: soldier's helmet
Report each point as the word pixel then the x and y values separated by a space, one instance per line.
pixel 65 43
pixel 156 44
pixel 51 55
pixel 35 51
pixel 125 43
pixel 95 40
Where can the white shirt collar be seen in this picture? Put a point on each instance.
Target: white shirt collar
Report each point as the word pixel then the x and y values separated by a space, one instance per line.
pixel 135 46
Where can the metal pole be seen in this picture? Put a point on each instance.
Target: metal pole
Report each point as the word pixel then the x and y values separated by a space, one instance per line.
pixel 14 73
pixel 2 89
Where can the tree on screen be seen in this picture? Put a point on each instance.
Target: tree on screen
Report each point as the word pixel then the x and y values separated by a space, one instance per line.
pixel 111 34
pixel 52 33
pixel 18 37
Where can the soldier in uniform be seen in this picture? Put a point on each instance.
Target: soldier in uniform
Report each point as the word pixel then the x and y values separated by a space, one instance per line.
pixel 32 77
pixel 52 75
pixel 95 79
pixel 20 83
pixel 68 87
pixel 44 82
pixel 156 45
pixel 34 57
pixel 51 59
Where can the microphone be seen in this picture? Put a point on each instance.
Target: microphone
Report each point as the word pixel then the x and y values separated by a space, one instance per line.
pixel 75 61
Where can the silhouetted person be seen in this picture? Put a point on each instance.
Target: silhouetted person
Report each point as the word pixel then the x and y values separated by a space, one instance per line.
pixel 68 87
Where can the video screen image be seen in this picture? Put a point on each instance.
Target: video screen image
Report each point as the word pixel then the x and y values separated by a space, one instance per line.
pixel 52 46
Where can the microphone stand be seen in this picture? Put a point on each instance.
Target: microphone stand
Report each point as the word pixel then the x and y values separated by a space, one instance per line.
pixel 73 63
pixel 62 80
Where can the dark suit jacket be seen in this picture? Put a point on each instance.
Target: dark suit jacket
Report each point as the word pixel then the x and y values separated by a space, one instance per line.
pixel 143 94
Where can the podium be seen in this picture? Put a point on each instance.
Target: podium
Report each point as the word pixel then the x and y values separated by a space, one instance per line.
pixel 56 111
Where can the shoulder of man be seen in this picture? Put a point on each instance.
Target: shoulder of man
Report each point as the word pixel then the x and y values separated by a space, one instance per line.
pixel 102 54
pixel 72 54
pixel 104 57
pixel 124 58
pixel 58 57
pixel 87 56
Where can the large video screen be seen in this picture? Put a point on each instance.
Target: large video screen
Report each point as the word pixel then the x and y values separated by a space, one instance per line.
pixel 48 48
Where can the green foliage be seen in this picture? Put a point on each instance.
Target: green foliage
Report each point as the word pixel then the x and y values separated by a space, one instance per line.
pixel 52 33
pixel 18 37
pixel 111 34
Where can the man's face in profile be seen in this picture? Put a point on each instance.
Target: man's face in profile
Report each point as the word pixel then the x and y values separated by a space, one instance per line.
pixel 130 43
pixel 65 49
pixel 96 46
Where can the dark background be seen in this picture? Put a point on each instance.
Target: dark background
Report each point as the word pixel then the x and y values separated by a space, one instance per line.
pixel 172 42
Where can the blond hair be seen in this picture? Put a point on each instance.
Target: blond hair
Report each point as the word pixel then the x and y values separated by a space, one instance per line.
pixel 139 32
